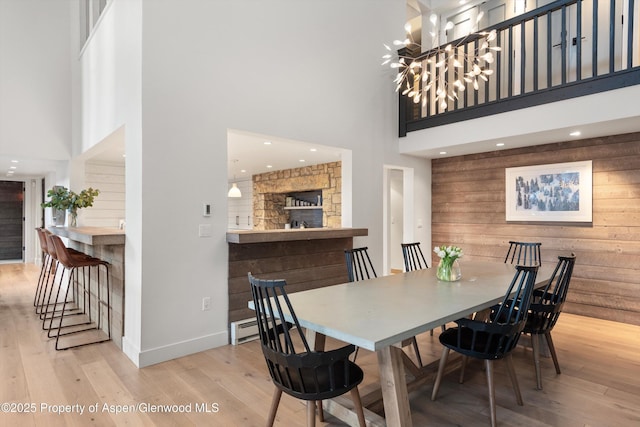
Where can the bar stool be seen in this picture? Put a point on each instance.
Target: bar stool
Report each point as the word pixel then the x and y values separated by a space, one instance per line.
pixel 71 265
pixel 47 309
pixel 45 270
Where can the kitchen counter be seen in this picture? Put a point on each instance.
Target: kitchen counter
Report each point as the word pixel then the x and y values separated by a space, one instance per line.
pixel 263 236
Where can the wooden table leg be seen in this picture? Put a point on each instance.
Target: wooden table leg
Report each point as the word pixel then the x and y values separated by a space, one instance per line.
pixel 394 387
pixel 315 340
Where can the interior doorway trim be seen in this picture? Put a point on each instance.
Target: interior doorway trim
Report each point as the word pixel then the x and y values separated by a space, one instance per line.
pixel 407 212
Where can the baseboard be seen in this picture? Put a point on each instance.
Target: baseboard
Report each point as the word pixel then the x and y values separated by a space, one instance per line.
pixel 173 351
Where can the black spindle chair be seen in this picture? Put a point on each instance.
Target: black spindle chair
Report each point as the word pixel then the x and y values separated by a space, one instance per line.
pixel 523 253
pixel 494 338
pixel 545 309
pixel 414 260
pixel 359 265
pixel 413 257
pixel 294 367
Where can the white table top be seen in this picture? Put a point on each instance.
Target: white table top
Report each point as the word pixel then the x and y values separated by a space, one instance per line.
pixel 376 313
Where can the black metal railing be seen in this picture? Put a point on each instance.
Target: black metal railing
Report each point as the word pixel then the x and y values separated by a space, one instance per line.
pixel 563 50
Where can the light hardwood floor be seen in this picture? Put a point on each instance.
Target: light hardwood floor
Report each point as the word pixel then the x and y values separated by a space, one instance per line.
pixel 599 386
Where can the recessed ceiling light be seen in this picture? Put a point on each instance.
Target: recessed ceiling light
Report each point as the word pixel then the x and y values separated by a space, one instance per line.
pixel 14 161
pixel 313 149
pixel 302 160
pixel 443 152
pixel 269 166
pixel 267 143
pixel 243 170
pixel 12 167
pixel 500 144
pixel 575 133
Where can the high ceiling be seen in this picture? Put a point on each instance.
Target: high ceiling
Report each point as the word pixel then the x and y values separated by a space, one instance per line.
pixel 249 154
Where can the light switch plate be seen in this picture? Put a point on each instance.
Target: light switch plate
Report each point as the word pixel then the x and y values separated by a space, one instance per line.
pixel 205 230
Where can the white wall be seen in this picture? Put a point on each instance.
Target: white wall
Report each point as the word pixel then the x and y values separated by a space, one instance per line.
pixel 111 87
pixel 267 67
pixel 35 79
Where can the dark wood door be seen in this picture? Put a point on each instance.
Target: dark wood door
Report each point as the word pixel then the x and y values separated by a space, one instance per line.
pixel 11 220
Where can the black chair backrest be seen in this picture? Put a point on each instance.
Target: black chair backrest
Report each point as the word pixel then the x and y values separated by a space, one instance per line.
pixel 523 253
pixel 413 257
pixel 497 336
pixel 547 302
pixel 293 366
pixel 359 265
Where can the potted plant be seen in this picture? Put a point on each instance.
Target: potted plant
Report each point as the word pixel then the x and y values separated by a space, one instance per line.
pixel 61 199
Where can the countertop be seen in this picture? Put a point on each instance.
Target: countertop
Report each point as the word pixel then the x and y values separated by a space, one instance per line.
pixel 262 236
pixel 94 236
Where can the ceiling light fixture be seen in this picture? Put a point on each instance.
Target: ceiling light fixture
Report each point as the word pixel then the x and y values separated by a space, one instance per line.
pixel 575 133
pixel 431 71
pixel 234 191
pixel 267 143
pixel 500 144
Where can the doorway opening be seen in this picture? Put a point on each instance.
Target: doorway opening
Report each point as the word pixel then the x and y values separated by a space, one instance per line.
pixel 397 216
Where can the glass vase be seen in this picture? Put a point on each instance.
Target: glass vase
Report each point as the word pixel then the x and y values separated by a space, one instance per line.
pixel 73 218
pixel 448 270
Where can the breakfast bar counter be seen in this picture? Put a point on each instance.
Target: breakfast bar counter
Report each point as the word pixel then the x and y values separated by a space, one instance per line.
pixel 306 258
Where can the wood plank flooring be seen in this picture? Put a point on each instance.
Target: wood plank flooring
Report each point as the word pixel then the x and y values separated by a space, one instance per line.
pixel 229 386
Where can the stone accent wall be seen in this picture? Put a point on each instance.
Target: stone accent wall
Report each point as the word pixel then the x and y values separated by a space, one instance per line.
pixel 270 190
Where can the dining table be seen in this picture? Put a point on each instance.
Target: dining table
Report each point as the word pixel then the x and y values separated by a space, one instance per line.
pixel 379 314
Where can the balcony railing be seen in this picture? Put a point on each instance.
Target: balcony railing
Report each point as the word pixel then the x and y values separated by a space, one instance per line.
pixel 559 51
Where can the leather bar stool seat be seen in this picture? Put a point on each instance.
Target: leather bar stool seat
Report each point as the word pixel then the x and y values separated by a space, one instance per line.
pixel 73 261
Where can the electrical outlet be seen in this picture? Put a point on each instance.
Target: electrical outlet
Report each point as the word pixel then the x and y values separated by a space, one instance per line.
pixel 206 303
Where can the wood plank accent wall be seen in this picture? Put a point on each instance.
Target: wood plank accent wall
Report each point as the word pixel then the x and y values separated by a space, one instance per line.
pixel 304 264
pixel 468 204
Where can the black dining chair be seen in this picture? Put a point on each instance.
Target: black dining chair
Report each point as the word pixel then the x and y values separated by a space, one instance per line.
pixel 413 257
pixel 414 260
pixel 493 338
pixel 359 265
pixel 523 253
pixel 294 367
pixel 546 306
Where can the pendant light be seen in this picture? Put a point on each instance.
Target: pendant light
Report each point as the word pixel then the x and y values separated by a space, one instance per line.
pixel 234 191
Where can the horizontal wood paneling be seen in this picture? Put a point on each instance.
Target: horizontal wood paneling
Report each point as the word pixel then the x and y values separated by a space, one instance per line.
pixel 109 207
pixel 468 205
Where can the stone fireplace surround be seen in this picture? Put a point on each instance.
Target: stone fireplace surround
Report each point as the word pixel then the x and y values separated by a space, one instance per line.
pixel 270 191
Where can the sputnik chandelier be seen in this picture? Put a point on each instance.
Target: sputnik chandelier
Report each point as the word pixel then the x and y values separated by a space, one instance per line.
pixel 431 70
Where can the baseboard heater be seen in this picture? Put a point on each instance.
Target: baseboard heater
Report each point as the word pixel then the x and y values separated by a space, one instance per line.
pixel 245 330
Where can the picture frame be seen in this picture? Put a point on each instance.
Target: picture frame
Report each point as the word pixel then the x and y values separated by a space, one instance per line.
pixel 559 192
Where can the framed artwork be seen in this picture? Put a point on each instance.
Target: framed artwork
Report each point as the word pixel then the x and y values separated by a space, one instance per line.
pixel 559 192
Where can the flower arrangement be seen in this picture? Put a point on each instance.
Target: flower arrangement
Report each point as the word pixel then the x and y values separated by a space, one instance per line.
pixel 62 198
pixel 448 269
